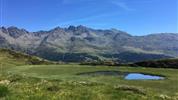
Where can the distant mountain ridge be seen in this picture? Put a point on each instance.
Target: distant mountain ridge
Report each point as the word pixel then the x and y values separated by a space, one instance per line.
pixel 80 43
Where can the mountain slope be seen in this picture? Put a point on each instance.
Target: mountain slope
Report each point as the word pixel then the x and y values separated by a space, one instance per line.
pixel 11 58
pixel 83 43
pixel 164 63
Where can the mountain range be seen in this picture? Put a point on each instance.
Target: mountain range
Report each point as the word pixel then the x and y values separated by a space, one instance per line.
pixel 80 43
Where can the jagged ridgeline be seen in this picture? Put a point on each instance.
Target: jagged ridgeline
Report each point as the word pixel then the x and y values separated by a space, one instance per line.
pixel 80 43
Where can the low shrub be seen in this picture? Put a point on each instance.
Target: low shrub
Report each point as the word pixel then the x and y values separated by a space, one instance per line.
pixel 3 91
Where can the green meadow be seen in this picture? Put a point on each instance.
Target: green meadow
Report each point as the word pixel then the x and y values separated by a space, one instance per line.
pixel 61 82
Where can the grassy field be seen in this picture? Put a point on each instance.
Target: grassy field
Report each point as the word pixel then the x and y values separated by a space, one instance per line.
pixel 60 82
pixel 24 77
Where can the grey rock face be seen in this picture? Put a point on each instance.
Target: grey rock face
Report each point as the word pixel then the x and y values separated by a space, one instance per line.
pixel 82 39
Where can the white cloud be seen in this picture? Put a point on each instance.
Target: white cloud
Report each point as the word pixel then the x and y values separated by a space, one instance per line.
pixel 84 19
pixel 119 3
pixel 122 5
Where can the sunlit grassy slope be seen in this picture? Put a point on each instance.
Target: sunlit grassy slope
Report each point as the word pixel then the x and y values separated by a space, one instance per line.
pixel 9 58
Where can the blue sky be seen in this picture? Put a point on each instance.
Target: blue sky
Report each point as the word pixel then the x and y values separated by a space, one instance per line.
pixel 137 17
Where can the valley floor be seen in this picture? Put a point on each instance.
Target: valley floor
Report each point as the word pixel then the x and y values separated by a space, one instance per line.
pixel 61 82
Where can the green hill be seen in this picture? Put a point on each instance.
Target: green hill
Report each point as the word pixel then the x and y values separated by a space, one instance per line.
pixel 12 58
pixel 164 63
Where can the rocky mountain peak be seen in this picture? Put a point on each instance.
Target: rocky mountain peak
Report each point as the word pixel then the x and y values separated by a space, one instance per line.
pixel 16 32
pixel 79 28
pixel 72 28
pixel 57 28
pixel 4 30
